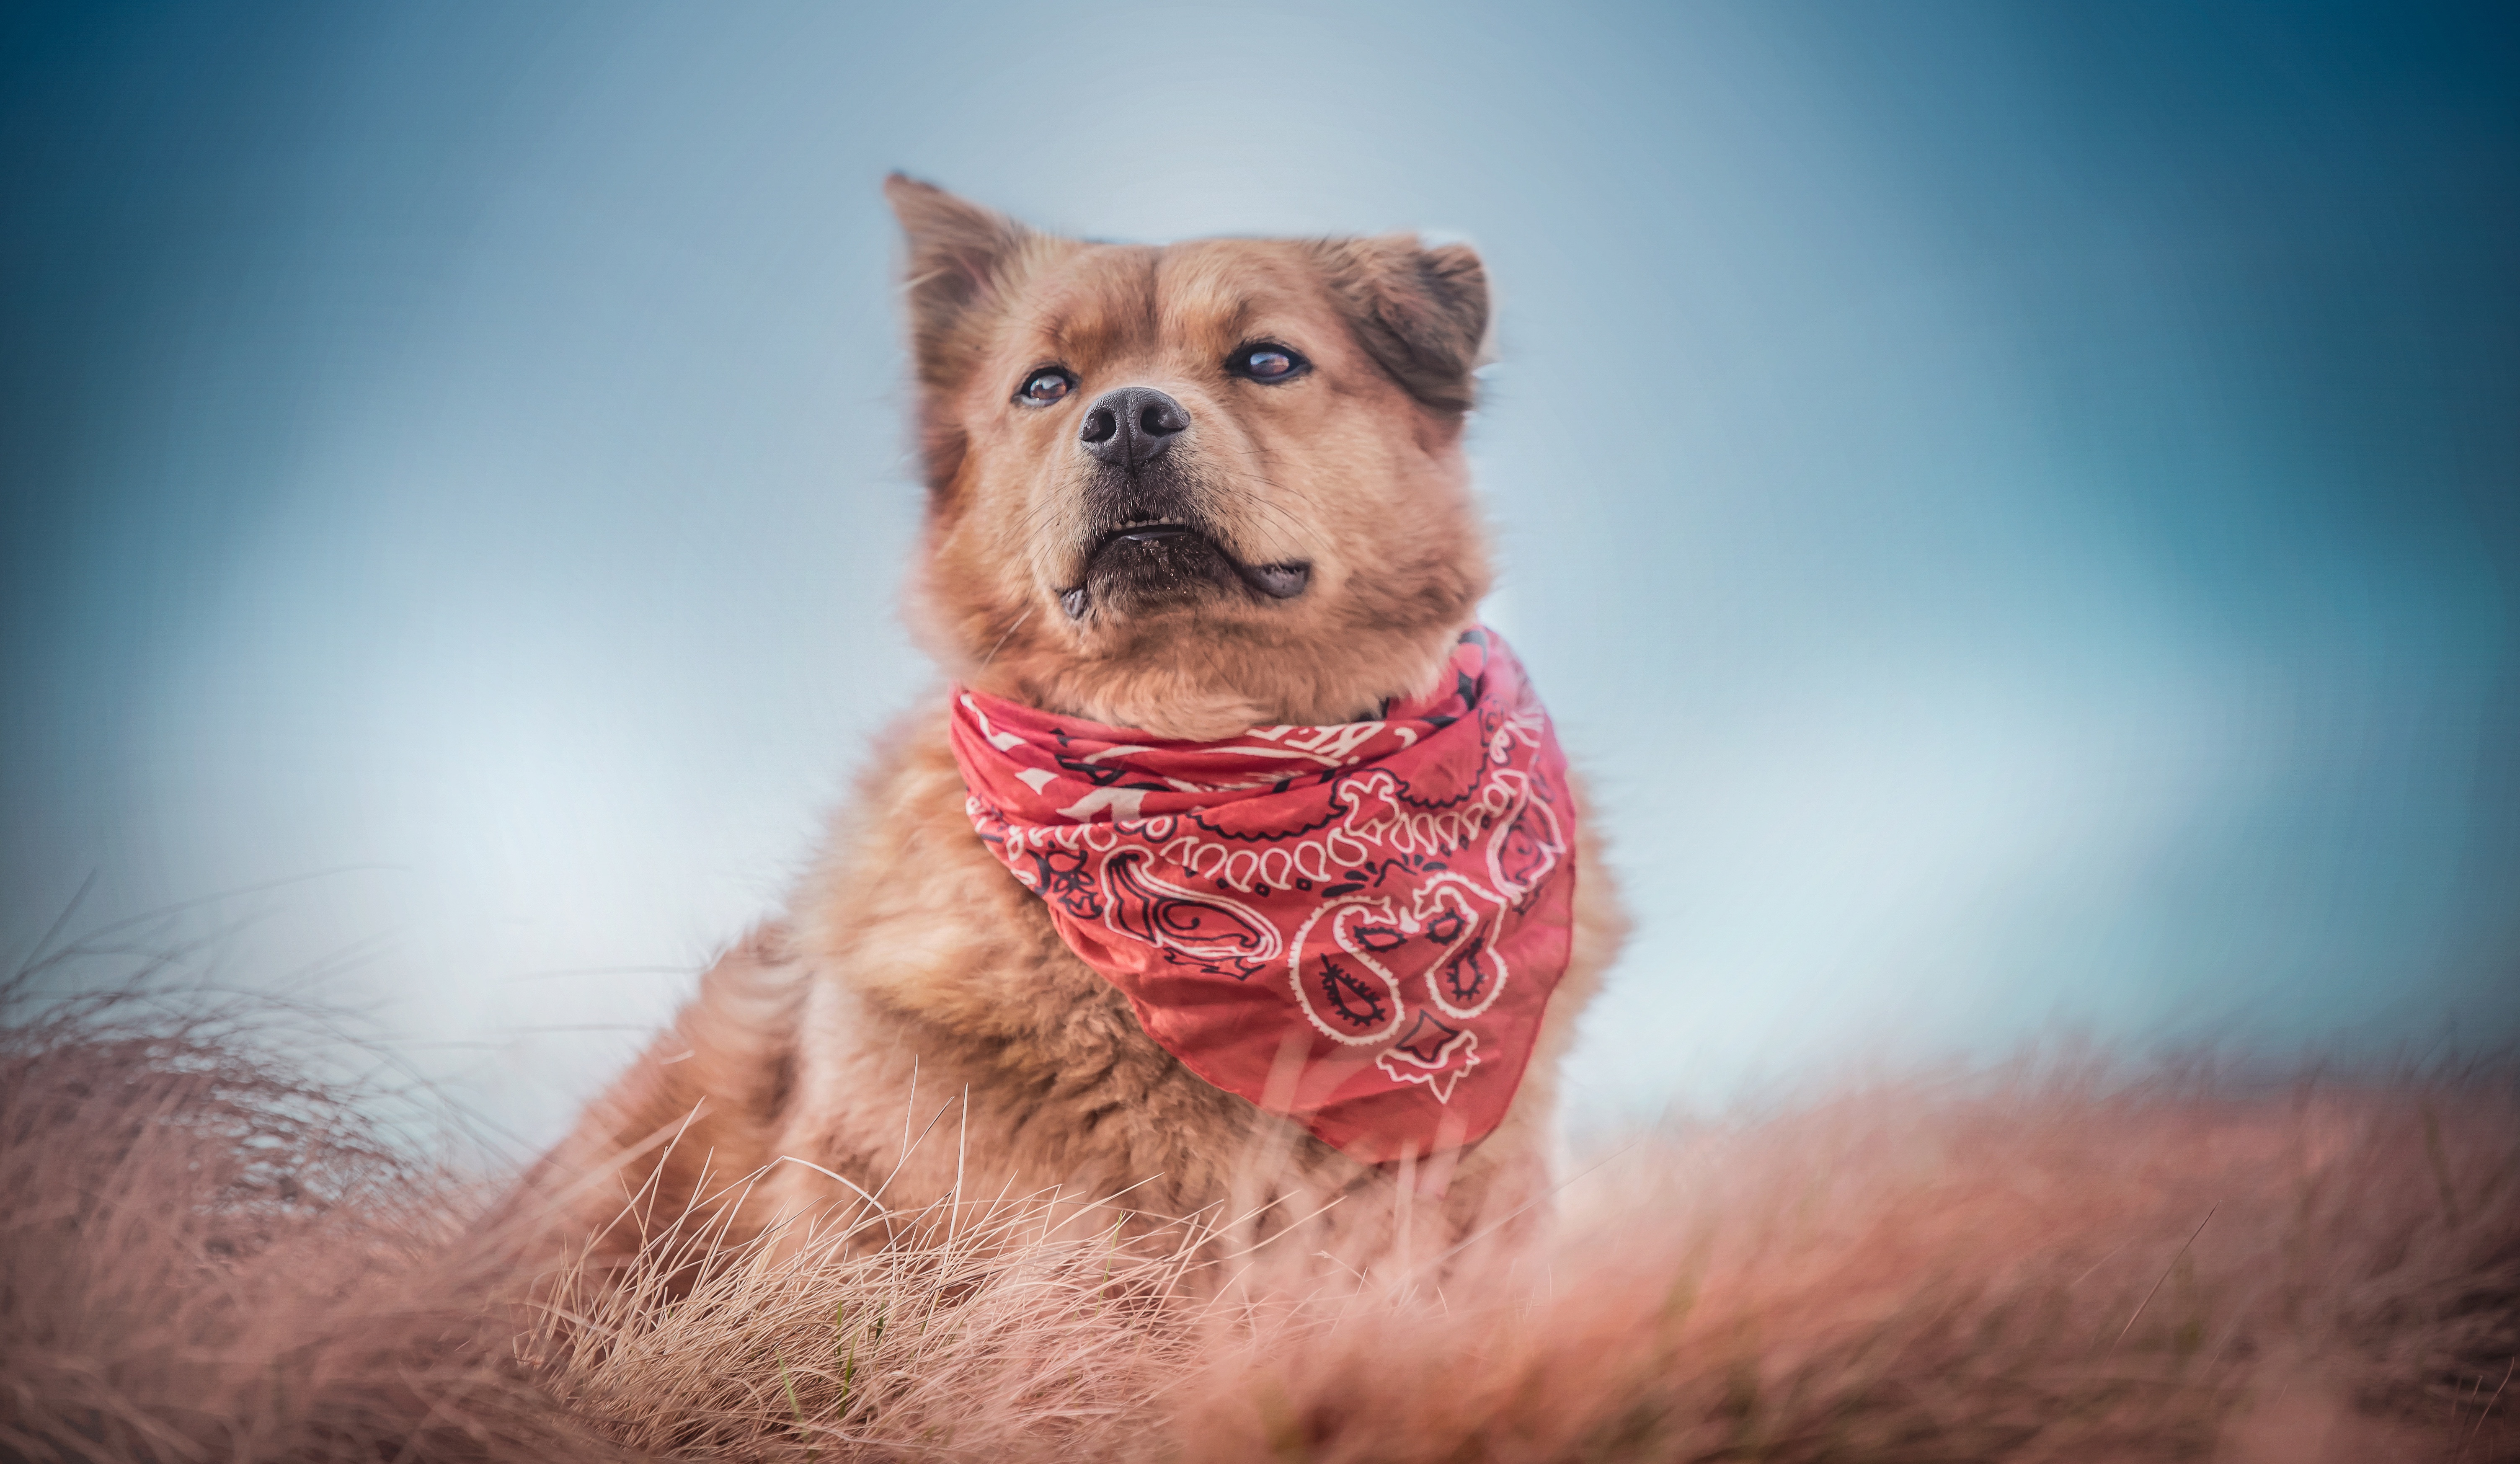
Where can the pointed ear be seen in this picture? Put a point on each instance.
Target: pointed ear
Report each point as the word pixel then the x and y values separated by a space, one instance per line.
pixel 964 262
pixel 1422 314
pixel 960 255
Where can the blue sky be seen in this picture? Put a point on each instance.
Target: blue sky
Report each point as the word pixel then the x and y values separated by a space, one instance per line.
pixel 2016 506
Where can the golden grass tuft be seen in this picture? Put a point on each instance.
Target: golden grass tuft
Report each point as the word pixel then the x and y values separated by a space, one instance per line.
pixel 1013 1328
pixel 207 1254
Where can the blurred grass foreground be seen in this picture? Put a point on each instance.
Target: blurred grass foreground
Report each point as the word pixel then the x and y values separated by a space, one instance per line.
pixel 209 1251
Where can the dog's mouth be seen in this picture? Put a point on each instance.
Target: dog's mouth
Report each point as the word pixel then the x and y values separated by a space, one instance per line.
pixel 1149 536
pixel 1154 561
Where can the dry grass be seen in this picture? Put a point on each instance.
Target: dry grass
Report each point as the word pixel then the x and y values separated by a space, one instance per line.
pixel 205 1255
pixel 1018 1328
pixel 2010 1270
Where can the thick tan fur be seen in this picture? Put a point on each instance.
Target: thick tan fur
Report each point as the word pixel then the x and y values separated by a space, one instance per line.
pixel 914 1029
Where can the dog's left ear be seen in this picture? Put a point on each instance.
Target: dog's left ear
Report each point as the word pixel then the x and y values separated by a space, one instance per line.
pixel 1420 313
pixel 964 262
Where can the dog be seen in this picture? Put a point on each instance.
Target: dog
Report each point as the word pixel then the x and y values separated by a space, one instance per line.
pixel 1192 493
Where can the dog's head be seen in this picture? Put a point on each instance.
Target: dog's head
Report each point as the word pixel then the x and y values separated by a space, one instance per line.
pixel 1193 488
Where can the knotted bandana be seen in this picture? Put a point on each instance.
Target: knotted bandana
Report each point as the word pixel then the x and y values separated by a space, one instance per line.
pixel 1357 925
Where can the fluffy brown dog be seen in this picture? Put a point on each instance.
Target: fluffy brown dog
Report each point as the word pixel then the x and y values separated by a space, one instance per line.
pixel 1190 489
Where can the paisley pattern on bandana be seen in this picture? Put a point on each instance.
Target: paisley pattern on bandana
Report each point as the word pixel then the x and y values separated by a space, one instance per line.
pixel 1357 925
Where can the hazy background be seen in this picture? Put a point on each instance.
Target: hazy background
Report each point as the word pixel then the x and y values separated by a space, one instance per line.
pixel 2017 506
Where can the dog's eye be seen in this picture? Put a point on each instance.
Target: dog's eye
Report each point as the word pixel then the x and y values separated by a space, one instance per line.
pixel 1044 387
pixel 1266 362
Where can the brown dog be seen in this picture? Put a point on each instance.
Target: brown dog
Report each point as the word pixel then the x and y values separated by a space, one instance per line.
pixel 1190 488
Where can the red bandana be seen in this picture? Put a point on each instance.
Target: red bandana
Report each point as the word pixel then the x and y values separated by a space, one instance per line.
pixel 1392 899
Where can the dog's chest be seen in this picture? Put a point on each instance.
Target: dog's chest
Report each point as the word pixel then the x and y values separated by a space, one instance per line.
pixel 947 959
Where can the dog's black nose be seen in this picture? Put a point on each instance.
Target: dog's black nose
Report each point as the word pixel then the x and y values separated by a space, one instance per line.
pixel 1132 424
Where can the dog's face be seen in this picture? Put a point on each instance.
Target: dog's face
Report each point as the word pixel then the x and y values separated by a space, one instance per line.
pixel 1197 488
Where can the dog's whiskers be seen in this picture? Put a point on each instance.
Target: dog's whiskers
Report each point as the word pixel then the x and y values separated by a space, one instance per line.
pixel 1011 630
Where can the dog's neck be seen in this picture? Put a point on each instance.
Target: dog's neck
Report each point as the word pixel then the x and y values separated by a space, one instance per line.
pixel 1189 683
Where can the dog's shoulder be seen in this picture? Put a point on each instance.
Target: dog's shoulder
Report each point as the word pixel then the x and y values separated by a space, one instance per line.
pixel 910 911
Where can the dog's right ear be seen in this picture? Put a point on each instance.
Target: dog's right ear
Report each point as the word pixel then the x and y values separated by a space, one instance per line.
pixel 1420 313
pixel 960 255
